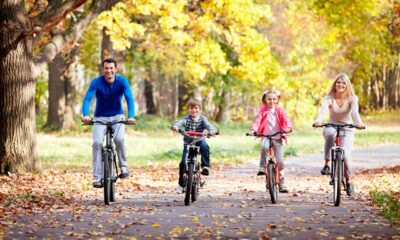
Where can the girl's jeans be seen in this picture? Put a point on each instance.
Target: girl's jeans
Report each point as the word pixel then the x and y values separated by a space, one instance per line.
pixel 205 159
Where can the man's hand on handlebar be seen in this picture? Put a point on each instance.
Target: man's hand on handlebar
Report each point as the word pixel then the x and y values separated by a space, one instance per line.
pixel 86 119
pixel 131 120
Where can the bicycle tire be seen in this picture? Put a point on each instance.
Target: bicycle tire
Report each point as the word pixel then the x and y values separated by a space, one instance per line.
pixel 112 176
pixel 273 188
pixel 195 189
pixel 189 183
pixel 106 179
pixel 337 178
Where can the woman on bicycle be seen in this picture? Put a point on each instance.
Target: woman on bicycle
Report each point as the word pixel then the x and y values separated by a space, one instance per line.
pixel 342 104
pixel 272 118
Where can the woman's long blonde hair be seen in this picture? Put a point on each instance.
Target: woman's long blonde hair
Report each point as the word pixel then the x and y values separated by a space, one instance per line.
pixel 349 87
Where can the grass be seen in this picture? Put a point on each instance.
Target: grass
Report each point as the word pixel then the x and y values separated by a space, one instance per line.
pixel 151 142
pixel 389 204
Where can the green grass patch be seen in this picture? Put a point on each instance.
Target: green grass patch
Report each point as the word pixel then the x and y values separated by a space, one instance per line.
pixel 388 203
pixel 151 142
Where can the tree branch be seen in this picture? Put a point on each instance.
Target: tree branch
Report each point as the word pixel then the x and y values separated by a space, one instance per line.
pixel 59 41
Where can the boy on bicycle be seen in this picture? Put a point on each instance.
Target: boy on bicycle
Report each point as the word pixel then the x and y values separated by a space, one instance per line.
pixel 109 90
pixel 194 122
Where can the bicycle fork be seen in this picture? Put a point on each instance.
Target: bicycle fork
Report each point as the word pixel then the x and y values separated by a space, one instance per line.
pixel 335 152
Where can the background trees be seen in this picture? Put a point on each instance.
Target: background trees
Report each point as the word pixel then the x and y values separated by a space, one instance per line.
pixel 225 51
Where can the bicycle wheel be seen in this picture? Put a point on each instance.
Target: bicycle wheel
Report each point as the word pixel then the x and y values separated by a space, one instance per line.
pixel 273 188
pixel 195 188
pixel 189 184
pixel 106 179
pixel 112 177
pixel 337 177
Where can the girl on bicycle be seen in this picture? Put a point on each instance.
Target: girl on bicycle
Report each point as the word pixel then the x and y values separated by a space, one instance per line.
pixel 342 104
pixel 272 118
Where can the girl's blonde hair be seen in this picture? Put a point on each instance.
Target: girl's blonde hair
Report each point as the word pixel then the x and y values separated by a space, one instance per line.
pixel 349 87
pixel 276 92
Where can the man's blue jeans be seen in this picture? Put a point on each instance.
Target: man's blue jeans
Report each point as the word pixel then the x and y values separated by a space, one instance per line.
pixel 205 159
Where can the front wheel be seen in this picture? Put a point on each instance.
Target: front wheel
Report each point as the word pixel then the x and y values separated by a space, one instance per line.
pixel 189 183
pixel 106 177
pixel 337 177
pixel 195 188
pixel 112 177
pixel 271 182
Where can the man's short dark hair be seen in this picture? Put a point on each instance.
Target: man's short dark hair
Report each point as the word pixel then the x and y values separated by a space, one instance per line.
pixel 109 60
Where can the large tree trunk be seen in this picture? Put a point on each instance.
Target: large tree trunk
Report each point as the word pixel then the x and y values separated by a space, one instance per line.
pixel 17 90
pixel 148 93
pixel 62 91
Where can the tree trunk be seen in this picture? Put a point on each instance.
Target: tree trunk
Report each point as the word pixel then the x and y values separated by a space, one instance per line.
pixel 148 93
pixel 56 93
pixel 62 91
pixel 223 112
pixel 17 91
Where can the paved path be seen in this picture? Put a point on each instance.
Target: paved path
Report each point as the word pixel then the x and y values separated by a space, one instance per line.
pixel 233 205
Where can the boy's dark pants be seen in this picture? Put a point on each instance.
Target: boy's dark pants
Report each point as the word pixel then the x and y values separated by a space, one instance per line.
pixel 205 159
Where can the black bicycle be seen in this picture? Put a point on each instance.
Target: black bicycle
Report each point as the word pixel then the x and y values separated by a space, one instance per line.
pixel 273 175
pixel 337 157
pixel 108 156
pixel 192 174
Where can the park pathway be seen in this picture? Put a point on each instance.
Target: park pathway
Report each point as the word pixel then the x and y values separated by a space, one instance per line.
pixel 232 205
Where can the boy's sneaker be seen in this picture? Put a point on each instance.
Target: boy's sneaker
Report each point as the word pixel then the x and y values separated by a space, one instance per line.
pixel 205 171
pixel 179 189
pixel 97 184
pixel 325 170
pixel 261 172
pixel 124 172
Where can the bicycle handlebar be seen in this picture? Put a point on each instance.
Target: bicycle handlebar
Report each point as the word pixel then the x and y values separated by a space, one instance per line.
pixel 338 126
pixel 192 134
pixel 109 123
pixel 257 134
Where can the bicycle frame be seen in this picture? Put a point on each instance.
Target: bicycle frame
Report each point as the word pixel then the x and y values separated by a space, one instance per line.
pixel 337 160
pixel 192 170
pixel 108 156
pixel 272 177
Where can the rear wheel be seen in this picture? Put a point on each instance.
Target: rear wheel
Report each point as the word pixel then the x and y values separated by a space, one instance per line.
pixel 337 177
pixel 106 178
pixel 189 184
pixel 272 186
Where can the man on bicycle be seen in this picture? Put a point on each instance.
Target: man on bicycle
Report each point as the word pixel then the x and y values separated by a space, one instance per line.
pixel 109 89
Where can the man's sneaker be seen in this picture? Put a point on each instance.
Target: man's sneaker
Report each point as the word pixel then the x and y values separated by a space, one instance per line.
pixel 261 172
pixel 179 189
pixel 97 184
pixel 205 171
pixel 124 172
pixel 325 170
pixel 349 189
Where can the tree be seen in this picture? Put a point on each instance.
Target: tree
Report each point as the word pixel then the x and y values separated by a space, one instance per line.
pixel 20 67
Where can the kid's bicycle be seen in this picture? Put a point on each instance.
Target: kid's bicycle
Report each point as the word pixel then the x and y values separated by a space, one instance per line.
pixel 272 177
pixel 337 159
pixel 108 156
pixel 192 174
